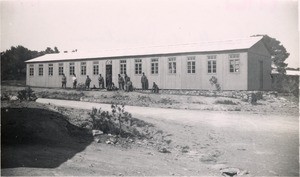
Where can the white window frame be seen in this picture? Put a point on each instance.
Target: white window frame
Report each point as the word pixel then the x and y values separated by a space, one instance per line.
pixel 31 70
pixel 172 65
pixel 83 68
pixel 212 64
pixel 60 69
pixel 138 66
pixel 50 69
pixel 41 69
pixel 191 65
pixel 96 67
pixel 154 66
pixel 123 67
pixel 72 68
pixel 234 63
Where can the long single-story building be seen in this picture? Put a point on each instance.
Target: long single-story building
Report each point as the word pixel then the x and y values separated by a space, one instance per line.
pixel 241 64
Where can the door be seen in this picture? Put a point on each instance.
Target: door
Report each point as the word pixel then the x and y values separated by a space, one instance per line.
pixel 261 75
pixel 108 73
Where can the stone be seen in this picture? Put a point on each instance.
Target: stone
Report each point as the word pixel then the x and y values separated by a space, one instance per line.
pixel 97 132
pixel 164 150
pixel 230 171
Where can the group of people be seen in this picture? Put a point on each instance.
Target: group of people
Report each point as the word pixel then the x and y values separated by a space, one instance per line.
pixel 74 79
pixel 124 83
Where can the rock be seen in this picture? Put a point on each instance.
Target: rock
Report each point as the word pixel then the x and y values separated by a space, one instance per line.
pixel 97 132
pixel 164 150
pixel 13 98
pixel 111 140
pixel 97 140
pixel 230 171
pixel 150 153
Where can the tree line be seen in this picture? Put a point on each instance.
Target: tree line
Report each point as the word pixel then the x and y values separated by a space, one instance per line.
pixel 13 66
pixel 13 60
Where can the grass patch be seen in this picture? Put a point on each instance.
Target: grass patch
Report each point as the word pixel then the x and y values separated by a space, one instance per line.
pixel 228 102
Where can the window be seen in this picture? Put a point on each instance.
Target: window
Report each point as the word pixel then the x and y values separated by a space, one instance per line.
pixel 83 68
pixel 60 69
pixel 234 63
pixel 191 65
pixel 138 66
pixel 31 70
pixel 50 69
pixel 95 67
pixel 122 66
pixel 211 64
pixel 41 69
pixel 172 65
pixel 72 68
pixel 154 66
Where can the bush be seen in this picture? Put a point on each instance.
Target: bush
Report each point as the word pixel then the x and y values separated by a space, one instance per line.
pixel 229 102
pixel 118 122
pixel 26 94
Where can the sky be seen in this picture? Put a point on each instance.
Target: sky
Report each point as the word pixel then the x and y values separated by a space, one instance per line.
pixel 96 25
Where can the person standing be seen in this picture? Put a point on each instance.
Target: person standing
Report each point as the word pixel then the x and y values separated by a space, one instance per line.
pixel 108 81
pixel 129 87
pixel 144 81
pixel 74 81
pixel 63 81
pixel 121 82
pixel 101 81
pixel 126 81
pixel 87 82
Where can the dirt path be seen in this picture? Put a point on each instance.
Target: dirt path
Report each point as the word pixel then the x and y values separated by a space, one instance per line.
pixel 263 145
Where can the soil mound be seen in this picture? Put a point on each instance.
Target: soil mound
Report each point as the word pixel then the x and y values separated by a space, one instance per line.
pixel 25 125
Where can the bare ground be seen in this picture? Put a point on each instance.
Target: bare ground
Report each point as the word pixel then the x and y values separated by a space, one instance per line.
pixel 257 140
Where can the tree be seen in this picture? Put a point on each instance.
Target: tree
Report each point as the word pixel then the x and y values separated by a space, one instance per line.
pixel 278 52
pixel 13 64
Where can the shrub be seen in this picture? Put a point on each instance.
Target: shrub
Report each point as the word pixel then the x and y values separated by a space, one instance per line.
pixel 229 102
pixel 26 94
pixel 5 96
pixel 118 122
pixel 214 81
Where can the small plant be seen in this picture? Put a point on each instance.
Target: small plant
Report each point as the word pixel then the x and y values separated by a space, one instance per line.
pixel 5 96
pixel 229 102
pixel 26 94
pixel 214 81
pixel 118 122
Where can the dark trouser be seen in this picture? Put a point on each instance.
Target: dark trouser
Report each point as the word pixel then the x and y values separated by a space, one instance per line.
pixel 74 84
pixel 121 86
pixel 63 84
pixel 143 85
pixel 87 85
pixel 101 85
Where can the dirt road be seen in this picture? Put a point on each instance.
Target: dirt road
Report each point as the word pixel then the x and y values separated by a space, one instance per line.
pixel 264 145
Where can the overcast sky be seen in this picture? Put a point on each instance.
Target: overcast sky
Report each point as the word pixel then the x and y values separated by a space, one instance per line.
pixel 109 24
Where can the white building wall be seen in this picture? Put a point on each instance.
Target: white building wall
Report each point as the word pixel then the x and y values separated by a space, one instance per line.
pixel 165 80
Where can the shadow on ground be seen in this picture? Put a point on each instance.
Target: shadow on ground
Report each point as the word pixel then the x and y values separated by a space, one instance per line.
pixel 38 138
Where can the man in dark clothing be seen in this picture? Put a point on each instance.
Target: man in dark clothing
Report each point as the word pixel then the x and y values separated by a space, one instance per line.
pixel 87 82
pixel 144 81
pixel 126 80
pixel 155 88
pixel 63 81
pixel 129 87
pixel 101 81
pixel 108 82
pixel 121 82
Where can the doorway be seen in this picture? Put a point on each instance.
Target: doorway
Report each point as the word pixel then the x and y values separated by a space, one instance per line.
pixel 108 74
